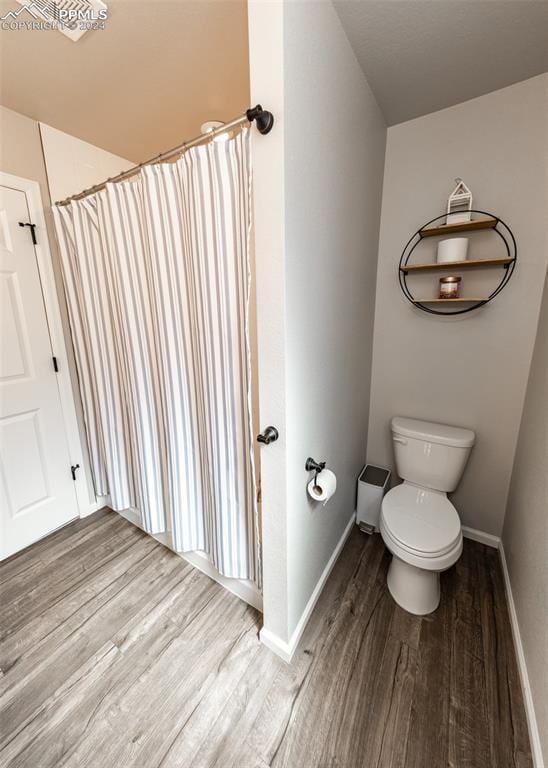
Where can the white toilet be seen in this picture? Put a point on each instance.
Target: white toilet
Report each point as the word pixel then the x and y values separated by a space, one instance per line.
pixel 418 523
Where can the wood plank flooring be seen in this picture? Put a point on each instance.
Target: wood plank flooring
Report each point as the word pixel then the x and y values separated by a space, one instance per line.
pixel 115 653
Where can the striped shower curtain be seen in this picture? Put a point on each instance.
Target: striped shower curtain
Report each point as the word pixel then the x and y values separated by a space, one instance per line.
pixel 156 275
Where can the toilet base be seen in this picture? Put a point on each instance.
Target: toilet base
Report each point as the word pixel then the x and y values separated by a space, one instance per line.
pixel 414 589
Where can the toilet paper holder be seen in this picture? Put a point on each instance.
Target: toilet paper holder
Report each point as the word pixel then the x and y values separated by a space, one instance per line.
pixel 314 466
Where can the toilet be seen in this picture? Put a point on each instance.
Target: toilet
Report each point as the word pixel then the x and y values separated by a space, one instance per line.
pixel 418 523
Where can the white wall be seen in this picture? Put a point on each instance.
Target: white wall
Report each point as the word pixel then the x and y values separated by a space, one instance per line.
pixel 334 157
pixel 74 165
pixel 470 371
pixel 267 88
pixel 323 168
pixel 525 535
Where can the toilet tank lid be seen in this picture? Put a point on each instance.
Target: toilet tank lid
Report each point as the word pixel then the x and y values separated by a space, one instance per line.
pixel 432 432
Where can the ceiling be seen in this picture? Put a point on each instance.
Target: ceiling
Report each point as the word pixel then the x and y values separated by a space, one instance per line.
pixel 162 67
pixel 158 70
pixel 423 55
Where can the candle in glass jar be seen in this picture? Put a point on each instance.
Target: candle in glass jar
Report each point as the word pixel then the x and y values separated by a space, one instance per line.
pixel 449 287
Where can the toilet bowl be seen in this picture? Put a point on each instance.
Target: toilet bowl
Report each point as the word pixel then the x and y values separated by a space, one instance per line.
pixel 421 528
pixel 419 525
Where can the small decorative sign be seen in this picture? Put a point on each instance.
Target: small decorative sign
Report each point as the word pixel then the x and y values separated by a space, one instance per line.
pixel 459 205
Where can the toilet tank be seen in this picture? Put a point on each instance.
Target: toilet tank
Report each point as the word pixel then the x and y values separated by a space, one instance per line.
pixel 429 454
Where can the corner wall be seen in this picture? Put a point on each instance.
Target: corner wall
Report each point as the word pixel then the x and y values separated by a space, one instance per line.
pixel 525 534
pixel 469 370
pixel 318 186
pixel 21 152
pixel 335 139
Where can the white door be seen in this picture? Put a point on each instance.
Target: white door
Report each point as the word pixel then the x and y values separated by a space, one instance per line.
pixel 37 492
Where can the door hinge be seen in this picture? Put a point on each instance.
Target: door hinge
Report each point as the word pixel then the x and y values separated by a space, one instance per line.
pixel 73 469
pixel 32 228
pixel 55 366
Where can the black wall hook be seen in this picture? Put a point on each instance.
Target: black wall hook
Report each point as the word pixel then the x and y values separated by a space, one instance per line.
pixel 270 435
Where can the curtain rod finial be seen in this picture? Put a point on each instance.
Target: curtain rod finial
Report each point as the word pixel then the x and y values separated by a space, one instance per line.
pixel 263 119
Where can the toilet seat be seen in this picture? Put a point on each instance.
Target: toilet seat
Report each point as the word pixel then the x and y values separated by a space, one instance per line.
pixel 420 522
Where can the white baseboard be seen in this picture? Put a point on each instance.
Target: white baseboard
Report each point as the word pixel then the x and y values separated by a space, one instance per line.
pixel 280 647
pixel 100 503
pixel 245 590
pixel 484 538
pixel 248 592
pixel 286 649
pixel 534 736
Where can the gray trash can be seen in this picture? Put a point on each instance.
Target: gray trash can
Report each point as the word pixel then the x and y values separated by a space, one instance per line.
pixel 372 485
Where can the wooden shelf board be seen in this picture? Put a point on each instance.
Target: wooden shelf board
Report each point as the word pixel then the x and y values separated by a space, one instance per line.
pixel 468 264
pixel 461 226
pixel 449 301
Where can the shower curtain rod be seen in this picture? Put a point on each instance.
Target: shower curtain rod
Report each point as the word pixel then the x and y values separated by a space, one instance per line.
pixel 263 119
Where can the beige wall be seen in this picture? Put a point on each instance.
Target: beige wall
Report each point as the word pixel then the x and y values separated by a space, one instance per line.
pixel 470 371
pixel 73 165
pixel 525 535
pixel 21 153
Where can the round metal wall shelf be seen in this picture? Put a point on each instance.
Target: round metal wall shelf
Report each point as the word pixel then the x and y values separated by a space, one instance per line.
pixel 434 228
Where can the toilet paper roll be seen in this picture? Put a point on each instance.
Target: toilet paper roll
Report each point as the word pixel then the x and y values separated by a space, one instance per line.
pixel 452 249
pixel 323 486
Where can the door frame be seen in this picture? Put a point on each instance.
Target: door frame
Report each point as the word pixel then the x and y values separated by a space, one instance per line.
pixel 31 190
